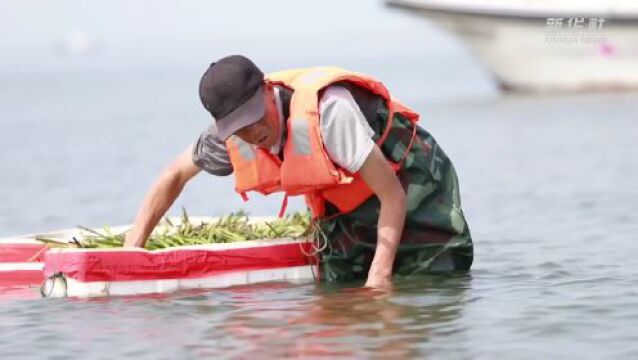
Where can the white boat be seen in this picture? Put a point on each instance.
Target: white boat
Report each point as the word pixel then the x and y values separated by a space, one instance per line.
pixel 544 45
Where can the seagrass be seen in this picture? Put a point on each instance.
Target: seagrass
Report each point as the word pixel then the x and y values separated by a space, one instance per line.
pixel 227 229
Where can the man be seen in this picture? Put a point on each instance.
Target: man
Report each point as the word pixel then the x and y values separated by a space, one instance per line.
pixel 382 190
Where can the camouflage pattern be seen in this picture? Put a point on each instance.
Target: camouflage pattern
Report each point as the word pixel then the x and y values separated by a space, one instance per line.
pixel 436 236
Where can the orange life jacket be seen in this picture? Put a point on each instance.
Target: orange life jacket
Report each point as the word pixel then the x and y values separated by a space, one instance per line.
pixel 306 168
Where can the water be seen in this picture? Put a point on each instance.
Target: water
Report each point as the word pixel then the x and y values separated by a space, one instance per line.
pixel 548 186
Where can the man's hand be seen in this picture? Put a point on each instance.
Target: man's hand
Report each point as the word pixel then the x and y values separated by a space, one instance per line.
pixel 382 180
pixel 161 196
pixel 134 240
pixel 379 282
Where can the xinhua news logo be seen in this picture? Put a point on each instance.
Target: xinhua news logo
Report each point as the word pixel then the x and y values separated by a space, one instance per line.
pixel 575 30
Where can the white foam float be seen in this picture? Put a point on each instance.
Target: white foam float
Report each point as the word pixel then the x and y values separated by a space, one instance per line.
pixel 21 262
pixel 131 271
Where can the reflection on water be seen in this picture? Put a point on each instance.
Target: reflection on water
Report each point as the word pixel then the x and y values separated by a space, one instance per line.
pixel 336 321
pixel 274 320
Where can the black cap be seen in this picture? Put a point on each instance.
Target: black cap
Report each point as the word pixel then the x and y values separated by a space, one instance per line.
pixel 231 89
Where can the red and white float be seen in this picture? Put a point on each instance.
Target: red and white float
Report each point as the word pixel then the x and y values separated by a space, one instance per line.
pixel 124 271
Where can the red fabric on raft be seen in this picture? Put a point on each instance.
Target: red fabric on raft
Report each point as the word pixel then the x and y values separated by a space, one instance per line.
pixel 21 252
pixel 95 265
pixel 20 277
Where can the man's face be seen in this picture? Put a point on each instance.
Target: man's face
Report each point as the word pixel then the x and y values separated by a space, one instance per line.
pixel 265 132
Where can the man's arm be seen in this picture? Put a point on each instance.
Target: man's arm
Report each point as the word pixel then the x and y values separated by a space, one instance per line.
pixel 161 196
pixel 382 180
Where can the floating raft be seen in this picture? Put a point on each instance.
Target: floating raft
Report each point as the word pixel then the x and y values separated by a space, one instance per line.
pixel 21 267
pixel 21 261
pixel 81 272
pixel 106 272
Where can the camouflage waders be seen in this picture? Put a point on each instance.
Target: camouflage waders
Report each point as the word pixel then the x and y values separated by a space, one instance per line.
pixel 436 236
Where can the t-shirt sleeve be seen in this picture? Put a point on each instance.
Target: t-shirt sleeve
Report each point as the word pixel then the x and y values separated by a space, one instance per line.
pixel 347 136
pixel 210 154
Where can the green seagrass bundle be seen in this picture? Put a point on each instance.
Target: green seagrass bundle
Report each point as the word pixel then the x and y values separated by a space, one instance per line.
pixel 231 228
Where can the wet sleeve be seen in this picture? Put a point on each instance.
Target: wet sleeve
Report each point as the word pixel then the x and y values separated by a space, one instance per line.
pixel 347 136
pixel 210 154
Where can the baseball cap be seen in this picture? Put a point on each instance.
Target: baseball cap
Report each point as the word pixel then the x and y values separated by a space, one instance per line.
pixel 232 90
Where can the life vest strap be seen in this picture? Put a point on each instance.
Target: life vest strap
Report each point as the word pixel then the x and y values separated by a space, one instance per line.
pixel 408 148
pixel 284 205
pixel 388 126
pixel 244 196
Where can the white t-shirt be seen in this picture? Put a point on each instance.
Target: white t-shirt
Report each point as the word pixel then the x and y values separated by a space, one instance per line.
pixel 346 134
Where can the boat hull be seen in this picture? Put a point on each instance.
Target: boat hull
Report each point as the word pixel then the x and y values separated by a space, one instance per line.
pixel 525 54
